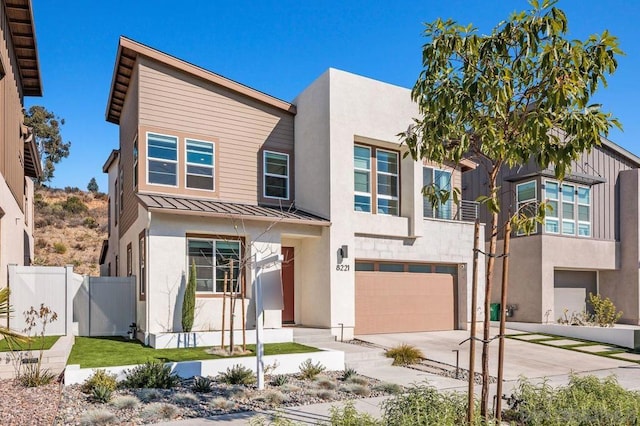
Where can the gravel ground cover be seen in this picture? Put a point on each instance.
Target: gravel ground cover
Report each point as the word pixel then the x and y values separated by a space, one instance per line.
pixel 28 406
pixel 145 406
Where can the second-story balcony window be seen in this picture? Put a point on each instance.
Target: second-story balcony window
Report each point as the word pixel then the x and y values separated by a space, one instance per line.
pixel 440 179
pixel 276 175
pixel 162 155
pixel 200 164
pixel 375 180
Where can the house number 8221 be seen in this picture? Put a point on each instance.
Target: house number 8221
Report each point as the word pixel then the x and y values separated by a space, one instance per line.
pixel 342 267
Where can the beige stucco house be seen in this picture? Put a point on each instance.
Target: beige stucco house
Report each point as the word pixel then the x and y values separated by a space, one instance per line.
pixel 19 158
pixel 212 172
pixel 589 243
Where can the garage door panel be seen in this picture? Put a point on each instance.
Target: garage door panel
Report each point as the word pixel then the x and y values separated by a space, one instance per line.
pixel 403 302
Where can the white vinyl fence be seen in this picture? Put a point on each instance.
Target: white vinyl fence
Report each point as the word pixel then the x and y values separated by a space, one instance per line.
pixel 55 287
pixel 99 306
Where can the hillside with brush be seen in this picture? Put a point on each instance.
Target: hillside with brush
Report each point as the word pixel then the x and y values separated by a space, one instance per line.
pixel 70 226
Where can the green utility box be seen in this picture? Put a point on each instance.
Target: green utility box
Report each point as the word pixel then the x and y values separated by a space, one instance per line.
pixel 494 312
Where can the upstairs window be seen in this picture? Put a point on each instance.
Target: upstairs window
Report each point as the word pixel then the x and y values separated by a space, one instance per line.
pixel 276 175
pixel 362 178
pixel 135 162
pixel 162 154
pixel 568 210
pixel 552 194
pixel 571 206
pixel 200 164
pixel 526 199
pixel 441 179
pixel 584 212
pixel 387 178
pixel 213 259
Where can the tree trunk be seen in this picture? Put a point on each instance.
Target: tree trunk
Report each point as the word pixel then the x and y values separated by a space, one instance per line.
pixel 474 320
pixel 503 319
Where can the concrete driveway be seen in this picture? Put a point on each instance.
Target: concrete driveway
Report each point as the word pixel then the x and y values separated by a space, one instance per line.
pixel 521 358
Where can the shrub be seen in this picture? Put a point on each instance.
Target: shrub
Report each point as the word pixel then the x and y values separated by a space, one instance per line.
pixel 237 375
pixel 325 383
pixel 101 394
pixel 151 374
pixel 148 395
pixel 201 384
pixel 73 205
pixel 221 403
pixel 356 389
pixel 605 312
pixel 32 375
pixel 90 222
pixel 272 397
pixel 159 411
pixel 288 387
pixel 125 402
pixel 189 300
pixel 426 406
pixel 387 387
pixel 185 398
pixel 325 394
pixel 279 380
pixel 98 417
pixel 348 372
pixel 347 415
pixel 59 248
pixel 358 380
pixel 237 392
pixel 99 378
pixel 405 354
pixel 309 370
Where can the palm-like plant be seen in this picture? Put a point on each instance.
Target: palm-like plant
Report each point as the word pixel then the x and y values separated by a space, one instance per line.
pixel 5 311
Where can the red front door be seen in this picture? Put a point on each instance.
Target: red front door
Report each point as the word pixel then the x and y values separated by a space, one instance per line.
pixel 287 285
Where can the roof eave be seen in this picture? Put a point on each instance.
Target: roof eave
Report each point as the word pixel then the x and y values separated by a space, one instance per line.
pixel 112 157
pixel 31 85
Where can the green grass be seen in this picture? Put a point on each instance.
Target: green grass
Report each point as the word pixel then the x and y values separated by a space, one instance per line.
pixel 35 344
pixel 92 352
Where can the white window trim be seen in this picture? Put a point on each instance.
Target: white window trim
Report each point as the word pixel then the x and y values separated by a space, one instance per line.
pixel 214 264
pixel 557 211
pixel 583 222
pixel 177 160
pixel 361 193
pixel 187 163
pixel 575 204
pixel 433 179
pixel 397 175
pixel 265 174
pixel 535 191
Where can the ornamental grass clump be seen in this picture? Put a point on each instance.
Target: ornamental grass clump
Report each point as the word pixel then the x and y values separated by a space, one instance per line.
pixel 98 417
pixel 405 354
pixel 237 375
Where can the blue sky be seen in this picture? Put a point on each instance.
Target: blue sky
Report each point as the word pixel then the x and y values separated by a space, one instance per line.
pixel 278 47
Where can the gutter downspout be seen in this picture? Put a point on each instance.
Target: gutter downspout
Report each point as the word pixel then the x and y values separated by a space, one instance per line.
pixel 146 278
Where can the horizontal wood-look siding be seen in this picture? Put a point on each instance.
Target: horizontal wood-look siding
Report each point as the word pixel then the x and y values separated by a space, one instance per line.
pixel 605 201
pixel 128 132
pixel 175 103
pixel 11 118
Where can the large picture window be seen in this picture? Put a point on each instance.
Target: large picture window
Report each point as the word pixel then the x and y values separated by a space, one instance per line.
pixel 162 157
pixel 379 169
pixel 213 258
pixel 571 209
pixel 441 179
pixel 276 175
pixel 200 164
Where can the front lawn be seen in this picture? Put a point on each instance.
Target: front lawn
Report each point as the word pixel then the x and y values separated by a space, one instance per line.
pixel 35 344
pixel 93 352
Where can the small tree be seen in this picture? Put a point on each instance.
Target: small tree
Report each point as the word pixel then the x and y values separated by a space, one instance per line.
pixel 46 129
pixel 520 93
pixel 92 186
pixel 189 300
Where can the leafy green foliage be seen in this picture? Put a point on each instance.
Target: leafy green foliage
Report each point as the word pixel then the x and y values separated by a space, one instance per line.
pixel 101 393
pixel 59 248
pixel 100 378
pixel 151 374
pixel 189 300
pixel 424 405
pixel 280 380
pixel 92 186
pixel 347 415
pixel 605 312
pixel 585 400
pixel 404 354
pixel 201 384
pixel 309 370
pixel 46 128
pixel 237 375
pixel 74 205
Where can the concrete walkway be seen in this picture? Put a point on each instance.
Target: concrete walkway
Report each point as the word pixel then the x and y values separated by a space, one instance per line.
pixel 523 359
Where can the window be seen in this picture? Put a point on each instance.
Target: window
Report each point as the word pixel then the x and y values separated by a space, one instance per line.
pixel 526 196
pixel 142 264
pixel 162 157
pixel 364 266
pixel 135 162
pixel 387 178
pixel 362 178
pixel 571 213
pixel 276 175
pixel 200 164
pixel 441 179
pixel 129 260
pixel 121 191
pixel 213 260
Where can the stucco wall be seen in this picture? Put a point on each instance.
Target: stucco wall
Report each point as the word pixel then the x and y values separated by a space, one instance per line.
pixel 12 231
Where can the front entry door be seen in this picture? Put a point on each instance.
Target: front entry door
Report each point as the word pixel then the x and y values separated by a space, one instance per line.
pixel 287 285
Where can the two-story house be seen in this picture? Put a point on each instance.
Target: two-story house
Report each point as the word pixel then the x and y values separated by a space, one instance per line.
pixel 588 243
pixel 19 158
pixel 212 172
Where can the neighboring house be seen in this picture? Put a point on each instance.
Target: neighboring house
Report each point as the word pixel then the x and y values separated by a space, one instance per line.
pixel 589 243
pixel 210 171
pixel 19 159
